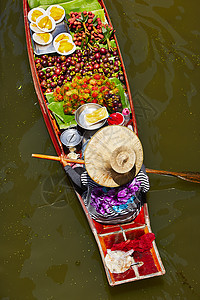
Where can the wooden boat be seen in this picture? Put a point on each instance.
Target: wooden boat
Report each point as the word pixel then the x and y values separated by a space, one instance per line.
pixel 147 264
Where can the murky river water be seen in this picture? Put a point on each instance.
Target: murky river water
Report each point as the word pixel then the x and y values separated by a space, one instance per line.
pixel 47 249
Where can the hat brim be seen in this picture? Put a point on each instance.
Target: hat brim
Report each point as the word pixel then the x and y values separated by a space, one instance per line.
pixel 99 150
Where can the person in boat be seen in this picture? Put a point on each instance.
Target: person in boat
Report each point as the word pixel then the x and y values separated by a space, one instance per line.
pixel 114 181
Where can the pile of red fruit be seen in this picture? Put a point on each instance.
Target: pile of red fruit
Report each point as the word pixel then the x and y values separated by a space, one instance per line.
pixel 86 26
pixel 88 89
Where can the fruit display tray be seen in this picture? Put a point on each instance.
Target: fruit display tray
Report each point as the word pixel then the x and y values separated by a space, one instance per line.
pixel 48 49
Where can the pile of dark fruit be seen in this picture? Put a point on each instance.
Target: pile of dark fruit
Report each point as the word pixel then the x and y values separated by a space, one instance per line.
pixel 54 71
pixel 114 100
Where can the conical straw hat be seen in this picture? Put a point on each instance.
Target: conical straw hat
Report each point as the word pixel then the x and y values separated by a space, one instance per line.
pixel 113 156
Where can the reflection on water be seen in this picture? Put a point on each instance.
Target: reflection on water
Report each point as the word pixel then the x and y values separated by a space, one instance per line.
pixel 47 249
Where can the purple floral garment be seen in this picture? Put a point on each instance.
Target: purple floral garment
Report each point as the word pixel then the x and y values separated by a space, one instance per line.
pixel 102 199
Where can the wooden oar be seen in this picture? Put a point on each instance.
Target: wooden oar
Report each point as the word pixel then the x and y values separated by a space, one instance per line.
pixel 76 161
pixel 188 176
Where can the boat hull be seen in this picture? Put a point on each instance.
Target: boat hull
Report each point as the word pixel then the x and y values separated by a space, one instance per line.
pixel 150 263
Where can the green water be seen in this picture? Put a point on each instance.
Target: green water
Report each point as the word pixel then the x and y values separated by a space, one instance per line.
pixel 47 250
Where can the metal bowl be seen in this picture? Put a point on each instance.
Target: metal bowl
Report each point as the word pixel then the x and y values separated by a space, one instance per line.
pixel 71 137
pixel 86 109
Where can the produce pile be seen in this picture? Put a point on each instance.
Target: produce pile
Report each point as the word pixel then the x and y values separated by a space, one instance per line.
pixel 92 73
pixel 89 89
pixel 56 70
pixel 89 30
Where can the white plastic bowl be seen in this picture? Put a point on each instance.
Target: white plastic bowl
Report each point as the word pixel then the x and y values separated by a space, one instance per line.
pixel 44 29
pixel 32 10
pixel 37 40
pixel 62 33
pixel 34 28
pixel 56 46
pixel 48 11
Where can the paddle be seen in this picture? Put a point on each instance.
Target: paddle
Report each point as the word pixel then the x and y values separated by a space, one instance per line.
pixel 57 158
pixel 188 176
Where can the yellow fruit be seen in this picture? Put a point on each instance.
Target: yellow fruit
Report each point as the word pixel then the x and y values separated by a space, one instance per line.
pixel 44 36
pixel 96 115
pixel 45 23
pixel 56 13
pixel 61 37
pixel 65 46
pixel 35 15
pixel 49 24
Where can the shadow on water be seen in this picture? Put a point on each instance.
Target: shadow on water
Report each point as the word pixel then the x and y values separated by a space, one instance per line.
pixel 47 249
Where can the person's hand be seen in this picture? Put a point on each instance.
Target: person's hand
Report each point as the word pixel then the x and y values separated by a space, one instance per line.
pixel 63 161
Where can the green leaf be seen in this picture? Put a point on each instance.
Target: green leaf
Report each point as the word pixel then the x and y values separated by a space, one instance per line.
pixel 86 19
pixel 79 20
pixel 115 80
pixel 57 108
pixel 94 19
pixel 82 44
pixel 100 14
pixel 35 3
pixel 124 100
pixel 122 95
pixel 50 97
pixel 104 30
pixel 102 41
pixel 75 5
pixel 113 44
pixel 80 29
pixel 111 32
pixel 67 16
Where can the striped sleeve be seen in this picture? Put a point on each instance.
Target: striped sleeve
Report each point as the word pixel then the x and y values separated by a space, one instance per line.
pixel 87 181
pixel 144 180
pixel 141 176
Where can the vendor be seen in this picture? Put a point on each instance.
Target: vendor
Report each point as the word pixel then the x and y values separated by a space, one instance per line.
pixel 114 178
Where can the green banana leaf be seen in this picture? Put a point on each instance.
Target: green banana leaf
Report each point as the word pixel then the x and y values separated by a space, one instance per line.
pixel 124 100
pixel 100 14
pixel 35 3
pixel 76 5
pixel 63 120
pixel 49 97
pixel 56 108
